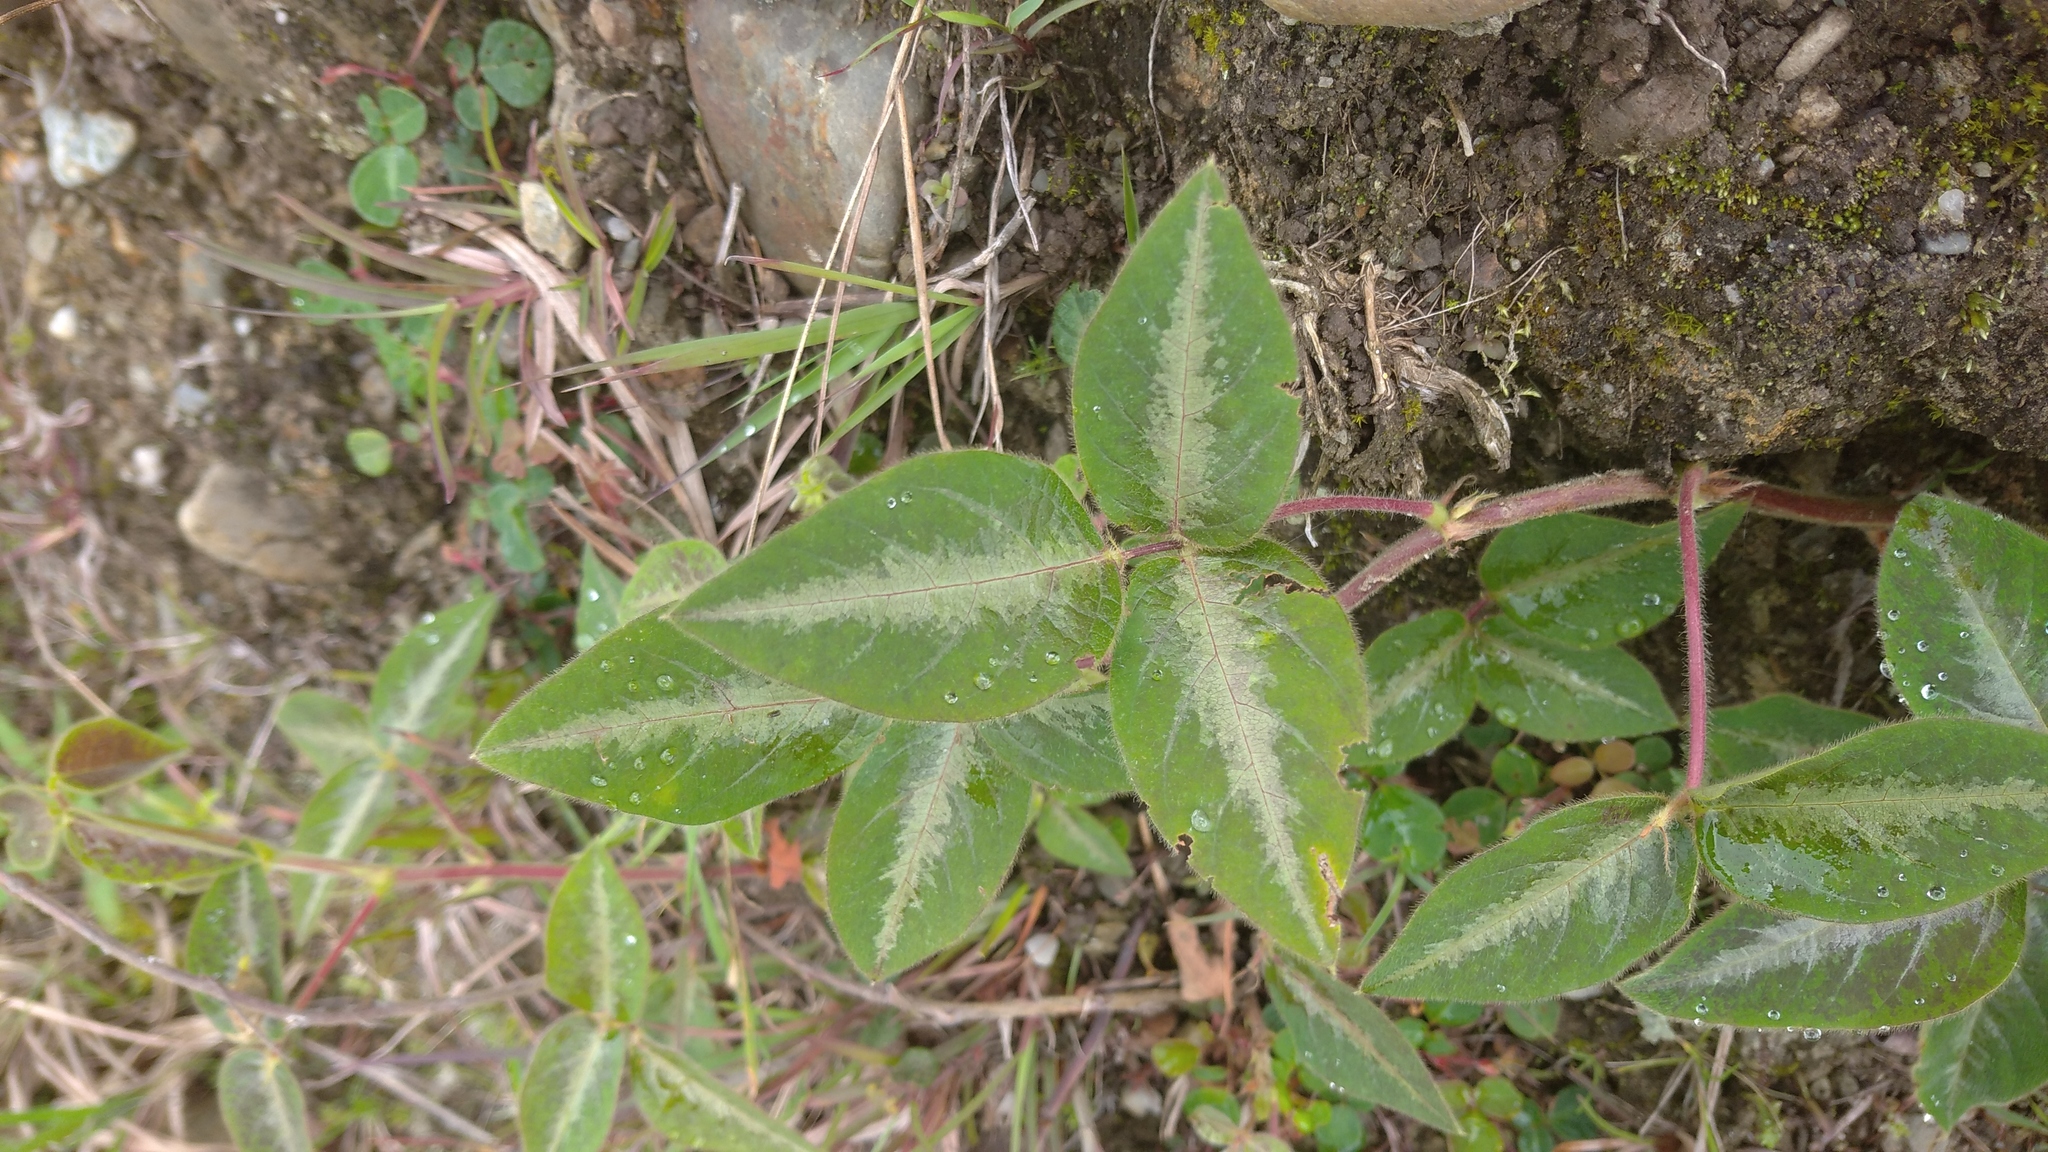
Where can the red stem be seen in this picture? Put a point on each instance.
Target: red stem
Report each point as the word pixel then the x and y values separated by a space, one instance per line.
pixel 1695 627
pixel 1390 505
pixel 348 935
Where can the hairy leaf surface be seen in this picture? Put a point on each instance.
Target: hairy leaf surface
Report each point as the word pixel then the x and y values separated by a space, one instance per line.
pixel 1773 730
pixel 419 680
pixel 598 596
pixel 1233 704
pixel 339 819
pixel 105 751
pixel 1899 821
pixel 1589 581
pixel 1071 835
pixel 1572 901
pixel 1964 598
pixel 954 587
pixel 1996 1049
pixel 691 1107
pixel 598 955
pixel 1066 743
pixel 572 1086
pixel 653 722
pixel 1755 968
pixel 1178 418
pixel 1346 1040
pixel 927 829
pixel 236 938
pixel 667 573
pixel 328 731
pixel 1420 682
pixel 261 1103
pixel 122 852
pixel 1561 693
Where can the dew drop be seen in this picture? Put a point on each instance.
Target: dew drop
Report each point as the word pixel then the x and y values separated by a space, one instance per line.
pixel 1698 1023
pixel 1774 1014
pixel 1962 853
pixel 597 781
pixel 631 939
pixel 1884 1031
pixel 1941 676
pixel 1937 892
pixel 1159 674
pixel 892 501
pixel 1500 987
pixel 1096 408
pixel 1965 633
pixel 1919 1000
pixel 431 639
pixel 1052 657
pixel 593 596
pixel 633 798
pixel 1922 646
pixel 1892 614
pixel 426 618
pixel 1811 1034
pixel 1885 669
pixel 1899 552
pixel 982 681
pixel 1927 691
pixel 1700 1007
pixel 906 497
pixel 1199 819
pixel 1033 677
pixel 639 764
pixel 1998 869
pixel 1883 892
pixel 632 686
pixel 1952 978
pixel 632 660
pixel 1902 877
pixel 1652 600
pixel 668 755
pixel 952 697
pixel 604 665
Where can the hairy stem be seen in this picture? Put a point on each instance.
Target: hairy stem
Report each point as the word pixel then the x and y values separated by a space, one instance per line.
pixel 1695 627
pixel 1389 505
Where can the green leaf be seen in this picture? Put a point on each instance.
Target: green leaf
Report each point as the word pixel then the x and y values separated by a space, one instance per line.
pixel 597 600
pixel 1560 693
pixel 1403 826
pixel 53 1128
pixel 1071 836
pixel 1484 807
pixel 1768 732
pixel 369 450
pixel 418 682
pixel 460 56
pixel 667 573
pixel 379 180
pixel 1995 1050
pixel 400 116
pixel 1589 581
pixel 338 821
pixel 743 833
pixel 1755 968
pixel 476 106
pixel 1233 704
pixel 652 722
pixel 1535 1020
pixel 1901 820
pixel 1350 1044
pixel 236 938
pixel 1419 678
pixel 33 829
pixel 261 1104
pixel 1179 419
pixel 1516 772
pixel 1964 597
pixel 505 505
pixel 101 753
pixel 689 1106
pixel 571 1088
pixel 598 956
pixel 1067 744
pixel 1070 318
pixel 516 61
pixel 118 851
pixel 1614 877
pixel 328 731
pixel 954 587
pixel 926 831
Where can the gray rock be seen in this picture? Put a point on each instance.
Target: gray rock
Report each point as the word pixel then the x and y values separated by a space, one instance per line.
pixel 1816 112
pixel 234 517
pixel 202 280
pixel 1490 15
pixel 545 226
pixel 43 240
pixel 795 140
pixel 214 147
pixel 614 22
pixel 114 19
pixel 1945 243
pixel 84 146
pixel 1820 38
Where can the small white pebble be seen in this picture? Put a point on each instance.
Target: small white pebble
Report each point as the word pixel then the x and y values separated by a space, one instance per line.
pixel 281 17
pixel 244 325
pixel 63 324
pixel 1042 947
pixel 146 468
pixel 1142 1100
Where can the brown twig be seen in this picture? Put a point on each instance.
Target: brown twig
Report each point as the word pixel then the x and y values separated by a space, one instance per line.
pixel 24 10
pixel 1099 1030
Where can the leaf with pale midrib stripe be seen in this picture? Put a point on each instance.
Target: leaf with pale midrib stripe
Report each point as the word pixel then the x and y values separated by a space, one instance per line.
pixel 690 1106
pixel 1233 704
pixel 653 722
pixel 927 829
pixel 1963 596
pixel 1754 968
pixel 572 1086
pixel 419 679
pixel 1560 693
pixel 1419 677
pixel 339 819
pixel 1178 420
pixel 951 588
pixel 1996 1049
pixel 597 947
pixel 1345 1039
pixel 1573 900
pixel 261 1103
pixel 1898 821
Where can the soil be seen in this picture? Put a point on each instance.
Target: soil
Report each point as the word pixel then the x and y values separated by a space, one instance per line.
pixel 1572 229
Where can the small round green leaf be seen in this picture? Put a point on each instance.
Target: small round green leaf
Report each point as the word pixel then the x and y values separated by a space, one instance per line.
pixel 32 828
pixel 369 450
pixel 405 118
pixel 101 753
pixel 516 61
pixel 1516 772
pixel 261 1103
pixel 460 56
pixel 380 178
pixel 476 106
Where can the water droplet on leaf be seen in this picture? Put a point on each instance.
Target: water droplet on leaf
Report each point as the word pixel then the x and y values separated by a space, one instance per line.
pixel 1199 820
pixel 1892 614
pixel 665 682
pixel 982 681
pixel 1811 1034
pixel 1937 892
pixel 952 697
pixel 597 781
